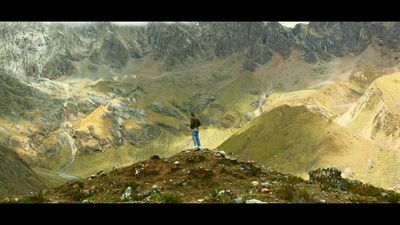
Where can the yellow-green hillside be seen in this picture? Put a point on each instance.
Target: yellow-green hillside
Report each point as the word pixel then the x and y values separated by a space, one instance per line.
pixel 376 116
pixel 294 139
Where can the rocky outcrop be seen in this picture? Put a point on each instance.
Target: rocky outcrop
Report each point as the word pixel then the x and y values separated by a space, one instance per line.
pixel 330 176
pixel 57 66
pixel 112 52
pixel 212 176
pixel 156 107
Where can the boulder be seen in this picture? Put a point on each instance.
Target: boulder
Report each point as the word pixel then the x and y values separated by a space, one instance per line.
pixel 126 196
pixel 329 176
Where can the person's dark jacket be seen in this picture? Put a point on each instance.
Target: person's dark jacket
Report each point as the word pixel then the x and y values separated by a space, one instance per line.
pixel 194 123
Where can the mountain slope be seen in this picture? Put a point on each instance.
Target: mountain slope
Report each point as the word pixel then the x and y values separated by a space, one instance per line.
pixel 75 95
pixel 296 139
pixel 16 177
pixel 376 116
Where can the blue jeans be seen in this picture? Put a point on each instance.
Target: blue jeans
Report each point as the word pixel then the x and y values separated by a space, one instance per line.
pixel 195 137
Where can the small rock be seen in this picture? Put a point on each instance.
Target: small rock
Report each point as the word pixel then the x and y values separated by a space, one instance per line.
pixel 156 188
pixel 155 157
pixel 85 201
pixel 222 152
pixel 92 189
pixel 170 180
pixel 223 192
pixel 16 199
pixel 348 173
pixel 321 200
pixel 93 176
pixel 239 200
pixel 227 157
pixel 264 184
pixel 218 154
pixel 254 201
pixel 184 183
pixel 255 183
pixel 137 172
pixel 200 200
pixel 86 192
pixel 384 194
pixel 103 174
pixel 176 162
pixel 127 194
pixel 75 186
pixel 100 172
pixel 264 190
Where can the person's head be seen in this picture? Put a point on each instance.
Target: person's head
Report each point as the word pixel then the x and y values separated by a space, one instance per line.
pixel 193 115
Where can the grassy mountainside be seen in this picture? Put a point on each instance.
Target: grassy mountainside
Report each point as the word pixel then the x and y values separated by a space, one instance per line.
pixel 294 139
pixel 376 116
pixel 16 177
pixel 346 124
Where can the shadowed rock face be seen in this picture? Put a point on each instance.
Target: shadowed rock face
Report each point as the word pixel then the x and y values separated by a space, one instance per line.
pixel 15 175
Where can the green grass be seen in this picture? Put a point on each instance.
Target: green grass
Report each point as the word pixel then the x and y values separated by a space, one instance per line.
pixel 305 195
pixel 37 198
pixel 131 184
pixel 292 193
pixel 226 197
pixel 76 194
pixel 170 198
pixel 165 197
pixel 286 192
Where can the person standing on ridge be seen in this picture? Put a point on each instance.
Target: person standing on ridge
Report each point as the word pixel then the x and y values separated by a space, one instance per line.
pixel 194 125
